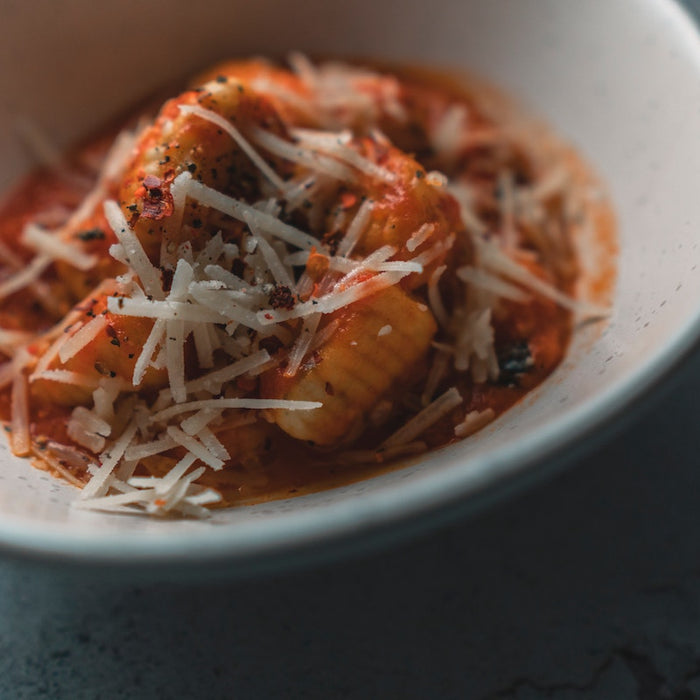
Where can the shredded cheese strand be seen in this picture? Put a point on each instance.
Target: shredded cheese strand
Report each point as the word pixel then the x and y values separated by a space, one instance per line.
pixel 425 418
pixel 242 142
pixel 228 205
pixel 334 300
pixel 133 250
pixel 50 244
pixel 81 338
pixel 259 404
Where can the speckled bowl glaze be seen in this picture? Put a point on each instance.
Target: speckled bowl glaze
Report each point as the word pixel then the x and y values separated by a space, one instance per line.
pixel 619 79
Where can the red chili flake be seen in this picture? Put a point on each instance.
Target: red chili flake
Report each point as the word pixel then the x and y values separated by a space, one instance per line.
pixel 156 200
pixel 157 206
pixel 282 298
pixel 151 181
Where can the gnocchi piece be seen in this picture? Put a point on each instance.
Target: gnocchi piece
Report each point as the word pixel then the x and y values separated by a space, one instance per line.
pixel 180 141
pixel 414 201
pixel 92 236
pixel 286 91
pixel 378 342
pixel 112 352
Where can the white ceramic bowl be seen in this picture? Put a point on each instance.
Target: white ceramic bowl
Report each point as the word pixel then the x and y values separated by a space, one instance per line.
pixel 619 79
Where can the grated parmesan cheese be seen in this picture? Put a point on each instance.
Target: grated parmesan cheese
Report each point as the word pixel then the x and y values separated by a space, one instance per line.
pixel 303 156
pixel 49 244
pixel 334 300
pixel 497 261
pixel 270 224
pixel 26 277
pixel 336 144
pixel 474 421
pixel 356 229
pixel 82 337
pixel 432 413
pixel 133 252
pixel 108 460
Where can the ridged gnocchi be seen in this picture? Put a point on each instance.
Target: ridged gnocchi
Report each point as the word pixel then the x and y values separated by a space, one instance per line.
pixel 379 341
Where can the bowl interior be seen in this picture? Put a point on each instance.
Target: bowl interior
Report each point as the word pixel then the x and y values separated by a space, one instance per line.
pixel 617 79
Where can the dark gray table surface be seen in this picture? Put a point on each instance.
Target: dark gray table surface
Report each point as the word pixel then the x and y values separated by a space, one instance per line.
pixel 587 586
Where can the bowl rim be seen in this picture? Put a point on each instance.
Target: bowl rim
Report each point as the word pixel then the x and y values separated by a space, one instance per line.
pixel 276 540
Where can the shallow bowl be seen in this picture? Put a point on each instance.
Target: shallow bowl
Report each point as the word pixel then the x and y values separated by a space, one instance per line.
pixel 620 80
